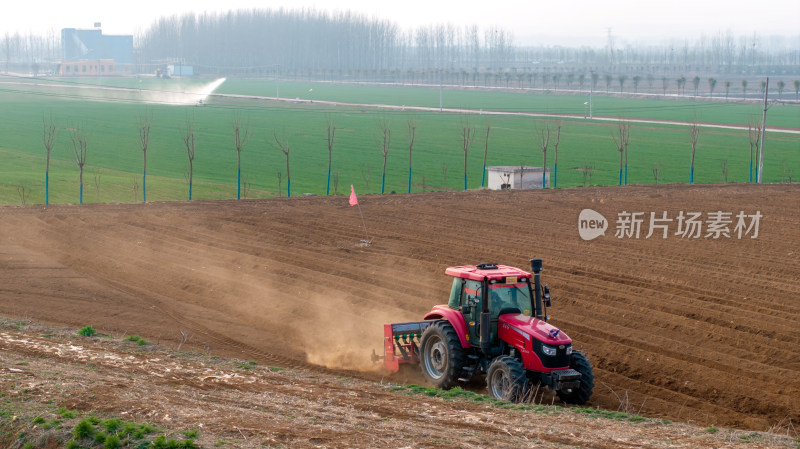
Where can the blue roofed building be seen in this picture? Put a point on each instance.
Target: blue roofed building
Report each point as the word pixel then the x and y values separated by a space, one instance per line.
pixel 77 45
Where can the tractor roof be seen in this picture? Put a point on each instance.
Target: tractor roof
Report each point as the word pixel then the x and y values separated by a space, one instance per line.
pixel 489 271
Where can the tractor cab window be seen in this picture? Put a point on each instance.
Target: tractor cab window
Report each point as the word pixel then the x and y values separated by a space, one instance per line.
pixel 455 294
pixel 505 298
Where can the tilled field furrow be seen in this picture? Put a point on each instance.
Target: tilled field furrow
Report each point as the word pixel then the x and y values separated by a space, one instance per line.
pixel 703 320
pixel 700 329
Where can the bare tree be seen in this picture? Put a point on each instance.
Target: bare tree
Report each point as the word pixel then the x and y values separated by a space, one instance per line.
pixel 636 80
pixel 712 83
pixel 188 141
pixel 79 146
pixel 412 131
pixel 753 133
pixel 786 175
pixel 145 122
pixel 283 145
pixel 543 135
pixel 744 88
pixel 336 183
pixel 384 140
pixel 97 175
pixel 135 188
pixel 657 168
pixel 365 175
pixel 694 133
pixel 622 79
pixel 724 166
pixel 796 84
pixel 280 180
pixel 696 84
pixel 621 140
pixel 555 156
pixel 245 187
pixel 681 82
pixel 727 85
pixel 23 192
pixel 664 85
pixel 781 85
pixel 467 137
pixel 331 135
pixel 49 140
pixel 241 134
pixel 485 153
pixel 444 174
pixel 608 78
pixel 587 171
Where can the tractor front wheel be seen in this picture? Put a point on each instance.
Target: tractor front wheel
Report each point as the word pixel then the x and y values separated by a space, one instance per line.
pixel 506 379
pixel 580 395
pixel 442 357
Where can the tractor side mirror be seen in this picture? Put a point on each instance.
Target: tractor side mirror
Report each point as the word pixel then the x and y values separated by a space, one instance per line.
pixel 466 309
pixel 546 296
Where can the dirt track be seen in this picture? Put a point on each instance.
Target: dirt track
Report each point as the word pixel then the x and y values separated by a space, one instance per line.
pixel 701 330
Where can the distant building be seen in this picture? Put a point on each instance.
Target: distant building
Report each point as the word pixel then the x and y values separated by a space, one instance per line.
pixel 180 70
pixel 517 177
pixel 93 45
pixel 97 67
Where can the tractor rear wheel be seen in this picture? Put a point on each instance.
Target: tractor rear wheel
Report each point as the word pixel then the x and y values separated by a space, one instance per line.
pixel 579 395
pixel 506 379
pixel 441 354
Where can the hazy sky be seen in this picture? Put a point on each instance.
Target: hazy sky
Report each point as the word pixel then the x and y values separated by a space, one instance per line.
pixel 531 21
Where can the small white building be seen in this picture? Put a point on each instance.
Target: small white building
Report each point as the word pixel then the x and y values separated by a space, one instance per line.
pixel 517 177
pixel 180 70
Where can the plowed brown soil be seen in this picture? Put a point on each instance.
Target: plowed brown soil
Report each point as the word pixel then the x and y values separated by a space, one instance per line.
pixel 704 330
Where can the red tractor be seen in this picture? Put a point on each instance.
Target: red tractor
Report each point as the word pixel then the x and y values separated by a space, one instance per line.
pixel 495 323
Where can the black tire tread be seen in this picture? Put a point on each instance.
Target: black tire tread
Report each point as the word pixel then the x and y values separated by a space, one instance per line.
pixel 580 363
pixel 455 354
pixel 516 372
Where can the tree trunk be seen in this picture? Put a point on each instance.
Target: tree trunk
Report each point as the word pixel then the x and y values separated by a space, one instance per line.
pixel 288 179
pixel 190 179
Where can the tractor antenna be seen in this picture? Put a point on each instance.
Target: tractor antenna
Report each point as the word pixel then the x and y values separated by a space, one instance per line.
pixel 536 267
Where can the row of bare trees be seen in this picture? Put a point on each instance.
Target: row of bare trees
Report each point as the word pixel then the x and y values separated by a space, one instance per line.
pixel 544 135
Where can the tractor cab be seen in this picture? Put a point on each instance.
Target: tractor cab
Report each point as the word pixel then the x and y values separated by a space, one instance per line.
pixel 501 289
pixel 508 287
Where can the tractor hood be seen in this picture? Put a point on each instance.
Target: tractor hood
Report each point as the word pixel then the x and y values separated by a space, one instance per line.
pixel 540 330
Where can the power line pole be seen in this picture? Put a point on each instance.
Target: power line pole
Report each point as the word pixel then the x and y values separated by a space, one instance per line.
pixel 591 92
pixel 763 127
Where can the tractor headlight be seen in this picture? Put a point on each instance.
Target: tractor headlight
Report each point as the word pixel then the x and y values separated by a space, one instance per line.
pixel 548 350
pixel 569 350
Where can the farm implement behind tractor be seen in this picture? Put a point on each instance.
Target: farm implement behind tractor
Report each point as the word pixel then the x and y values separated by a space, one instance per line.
pixel 494 324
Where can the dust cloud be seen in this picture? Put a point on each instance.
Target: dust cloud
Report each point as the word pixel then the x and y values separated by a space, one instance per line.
pixel 343 335
pixel 332 330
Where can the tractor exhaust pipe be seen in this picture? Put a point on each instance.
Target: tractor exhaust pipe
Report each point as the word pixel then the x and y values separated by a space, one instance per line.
pixel 536 267
pixel 486 318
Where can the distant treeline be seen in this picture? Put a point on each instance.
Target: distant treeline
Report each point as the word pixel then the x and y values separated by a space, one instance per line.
pixel 310 40
pixel 348 45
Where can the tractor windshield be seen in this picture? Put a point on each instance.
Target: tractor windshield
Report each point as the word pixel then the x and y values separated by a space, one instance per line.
pixel 505 297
